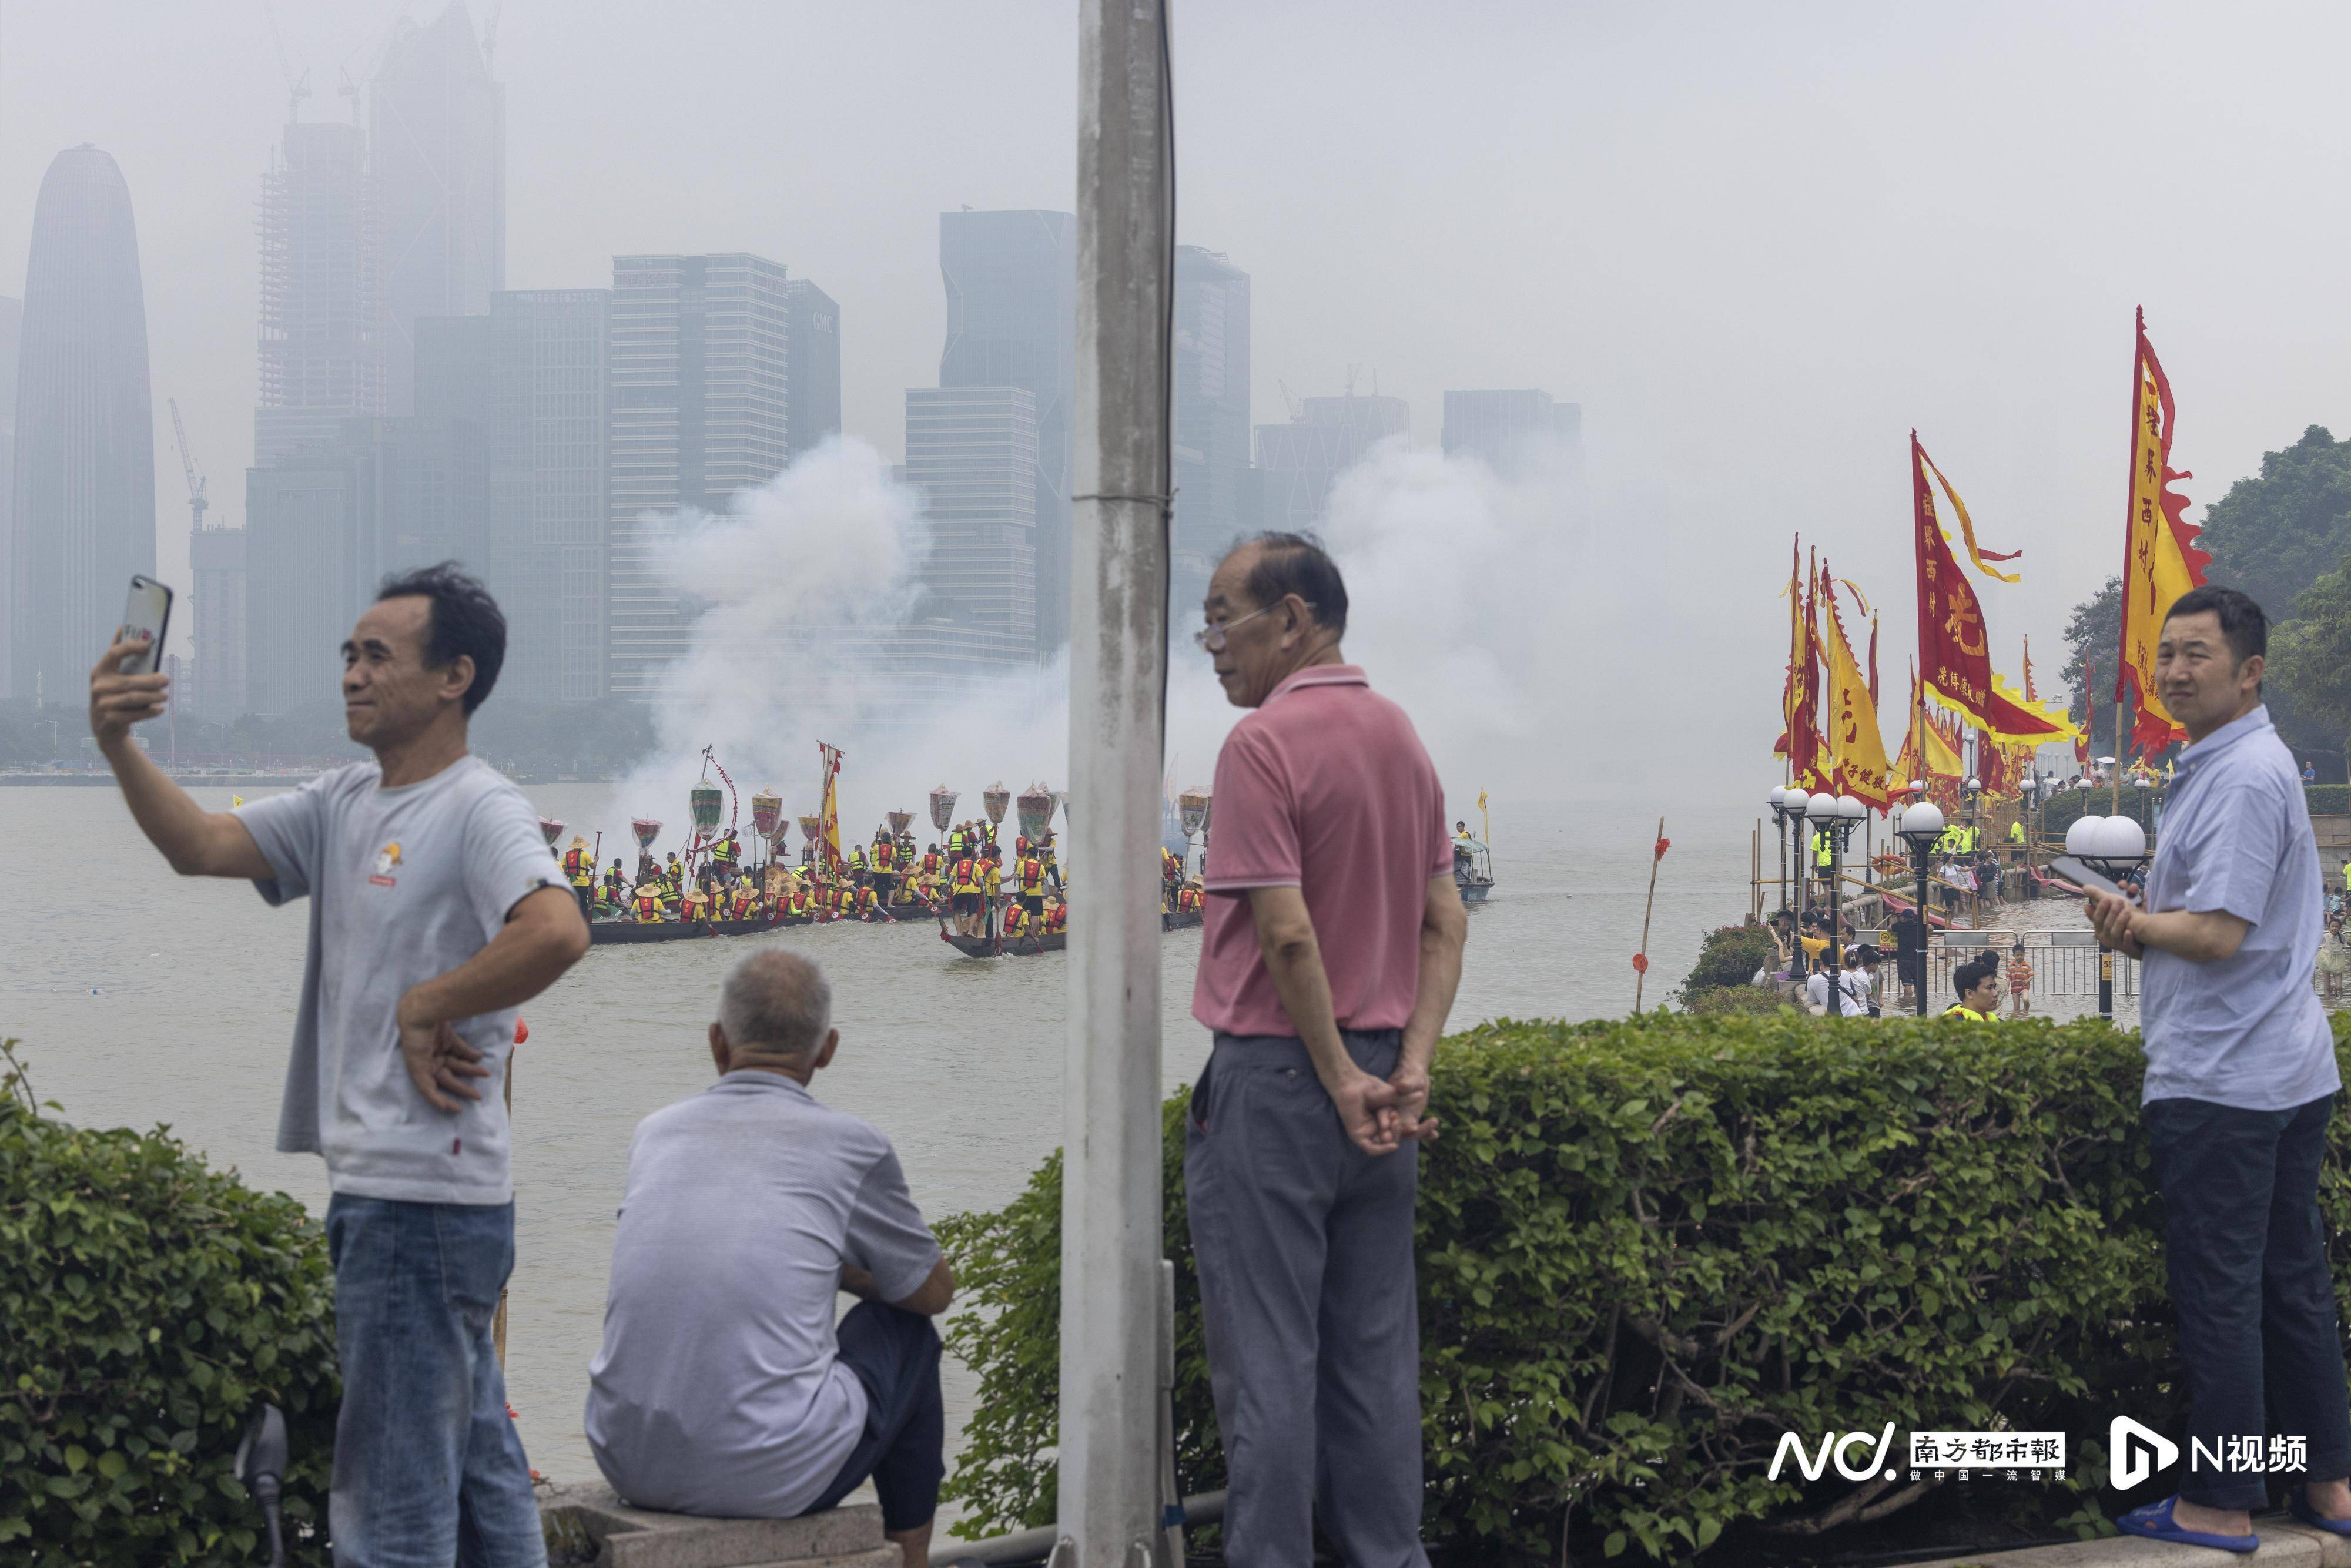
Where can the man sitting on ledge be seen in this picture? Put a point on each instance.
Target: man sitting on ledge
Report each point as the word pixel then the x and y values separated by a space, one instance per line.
pixel 723 1389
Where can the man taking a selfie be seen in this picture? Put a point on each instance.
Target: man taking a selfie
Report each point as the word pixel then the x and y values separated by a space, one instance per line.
pixel 435 912
pixel 2241 1083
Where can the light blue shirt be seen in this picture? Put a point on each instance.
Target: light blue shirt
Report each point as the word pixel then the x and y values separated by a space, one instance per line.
pixel 2248 1030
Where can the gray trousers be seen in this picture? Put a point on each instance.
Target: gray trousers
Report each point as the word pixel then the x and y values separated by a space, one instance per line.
pixel 1303 1244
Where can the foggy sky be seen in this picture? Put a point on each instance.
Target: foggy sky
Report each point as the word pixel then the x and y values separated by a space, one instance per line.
pixel 1757 243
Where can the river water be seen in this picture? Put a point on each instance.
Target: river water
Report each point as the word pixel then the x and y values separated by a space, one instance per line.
pixel 139 998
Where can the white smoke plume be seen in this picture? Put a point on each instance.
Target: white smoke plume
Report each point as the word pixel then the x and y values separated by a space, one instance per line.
pixel 1527 654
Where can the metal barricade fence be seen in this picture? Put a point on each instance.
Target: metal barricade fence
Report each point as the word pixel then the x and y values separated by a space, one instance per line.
pixel 2065 963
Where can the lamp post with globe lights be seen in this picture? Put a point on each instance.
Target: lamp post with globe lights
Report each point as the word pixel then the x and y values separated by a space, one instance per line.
pixel 1921 825
pixel 1790 808
pixel 1837 816
pixel 1780 815
pixel 2115 847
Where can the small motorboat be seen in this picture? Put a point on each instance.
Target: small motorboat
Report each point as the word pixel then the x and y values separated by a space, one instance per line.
pixel 1473 870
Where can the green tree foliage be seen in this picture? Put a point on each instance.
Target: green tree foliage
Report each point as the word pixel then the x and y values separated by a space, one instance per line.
pixel 1650 1248
pixel 2310 656
pixel 2272 535
pixel 2093 637
pixel 150 1305
pixel 1728 957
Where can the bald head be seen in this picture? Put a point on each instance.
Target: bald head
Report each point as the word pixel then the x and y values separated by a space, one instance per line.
pixel 775 1011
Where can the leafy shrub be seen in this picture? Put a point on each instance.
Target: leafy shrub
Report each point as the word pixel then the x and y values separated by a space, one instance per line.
pixel 1650 1247
pixel 1729 956
pixel 1731 1001
pixel 150 1303
pixel 2328 799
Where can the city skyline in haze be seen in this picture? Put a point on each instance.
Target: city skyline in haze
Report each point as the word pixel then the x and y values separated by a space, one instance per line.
pixel 1758 250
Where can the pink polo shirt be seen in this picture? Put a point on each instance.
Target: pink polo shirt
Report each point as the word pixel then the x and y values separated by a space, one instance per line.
pixel 1327 789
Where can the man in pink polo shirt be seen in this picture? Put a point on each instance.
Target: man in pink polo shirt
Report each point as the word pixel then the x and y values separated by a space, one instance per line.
pixel 1331 949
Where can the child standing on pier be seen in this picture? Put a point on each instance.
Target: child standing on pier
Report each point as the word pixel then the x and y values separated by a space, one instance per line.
pixel 2020 981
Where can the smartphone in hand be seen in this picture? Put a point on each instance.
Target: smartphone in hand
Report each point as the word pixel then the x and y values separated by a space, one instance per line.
pixel 148 609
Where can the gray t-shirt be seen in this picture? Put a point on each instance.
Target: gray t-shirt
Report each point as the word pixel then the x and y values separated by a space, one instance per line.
pixel 719 1390
pixel 404 885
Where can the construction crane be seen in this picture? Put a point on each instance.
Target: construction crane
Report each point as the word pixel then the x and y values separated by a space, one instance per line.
pixel 296 88
pixel 196 502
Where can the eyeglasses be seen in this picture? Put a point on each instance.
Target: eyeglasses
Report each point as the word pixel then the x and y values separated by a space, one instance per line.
pixel 1211 637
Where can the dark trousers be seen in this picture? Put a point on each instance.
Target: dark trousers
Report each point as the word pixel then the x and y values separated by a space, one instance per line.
pixel 1303 1244
pixel 896 1354
pixel 2246 1250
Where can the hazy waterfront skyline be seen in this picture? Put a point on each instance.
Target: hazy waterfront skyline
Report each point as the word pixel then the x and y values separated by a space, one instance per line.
pixel 1756 248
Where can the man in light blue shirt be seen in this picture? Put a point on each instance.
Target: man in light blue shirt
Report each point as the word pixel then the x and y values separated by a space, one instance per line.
pixel 2241 1083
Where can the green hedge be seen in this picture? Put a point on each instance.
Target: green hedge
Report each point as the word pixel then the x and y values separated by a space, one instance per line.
pixel 2138 801
pixel 1650 1247
pixel 150 1303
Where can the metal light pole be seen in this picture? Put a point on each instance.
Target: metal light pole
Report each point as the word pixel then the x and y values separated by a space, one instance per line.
pixel 1111 1213
pixel 1792 805
pixel 2114 847
pixel 1922 824
pixel 1778 802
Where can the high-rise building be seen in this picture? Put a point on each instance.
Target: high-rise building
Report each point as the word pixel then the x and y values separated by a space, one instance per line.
pixel 303 567
pixel 812 395
pixel 437 134
pixel 326 524
pixel 1514 433
pixel 84 510
pixel 321 290
pixel 699 371
pixel 1301 460
pixel 1012 320
pixel 1215 488
pixel 217 596
pixel 530 378
pixel 971 452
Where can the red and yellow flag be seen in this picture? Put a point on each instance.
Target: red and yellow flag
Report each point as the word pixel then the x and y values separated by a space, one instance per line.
pixel 829 834
pixel 1927 754
pixel 2160 560
pixel 1799 740
pixel 1857 748
pixel 1954 657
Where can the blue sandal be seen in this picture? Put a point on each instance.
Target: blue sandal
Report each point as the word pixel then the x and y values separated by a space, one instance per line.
pixel 2299 1505
pixel 2154 1521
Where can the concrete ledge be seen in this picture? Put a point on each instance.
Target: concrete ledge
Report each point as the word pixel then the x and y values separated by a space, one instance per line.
pixel 2284 1544
pixel 591 1527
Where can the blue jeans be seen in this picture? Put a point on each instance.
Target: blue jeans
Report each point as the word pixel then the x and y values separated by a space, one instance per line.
pixel 2246 1254
pixel 896 1354
pixel 428 1469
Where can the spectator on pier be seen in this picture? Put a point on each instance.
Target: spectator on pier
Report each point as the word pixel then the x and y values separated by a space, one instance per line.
pixel 2020 981
pixel 2334 957
pixel 1328 962
pixel 2240 1083
pixel 1857 984
pixel 1977 981
pixel 723 1387
pixel 435 912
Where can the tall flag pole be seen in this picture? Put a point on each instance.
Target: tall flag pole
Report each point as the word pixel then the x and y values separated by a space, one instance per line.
pixel 2160 560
